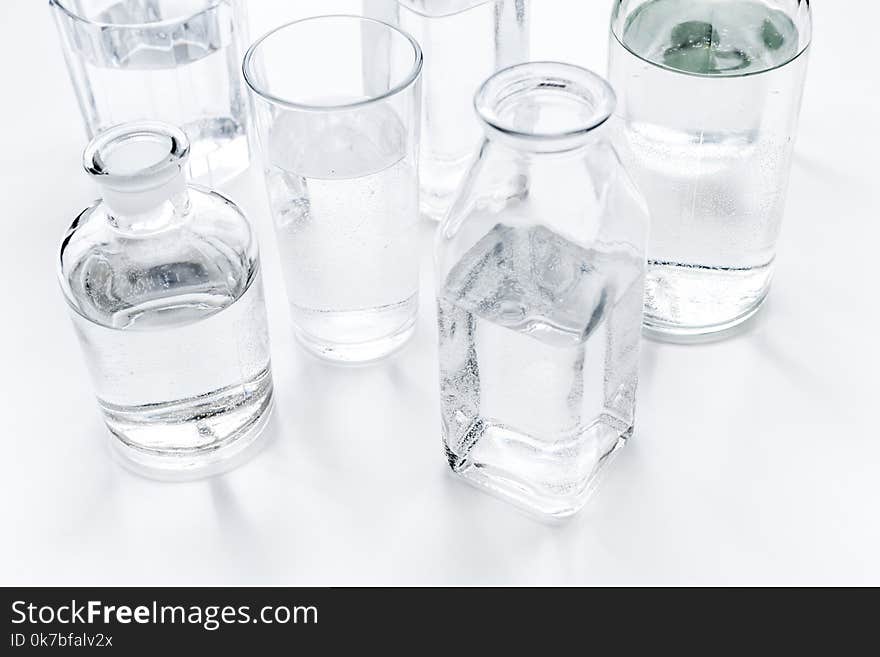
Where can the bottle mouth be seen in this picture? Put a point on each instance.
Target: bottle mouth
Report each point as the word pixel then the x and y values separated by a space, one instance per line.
pixel 138 165
pixel 551 105
pixel 140 154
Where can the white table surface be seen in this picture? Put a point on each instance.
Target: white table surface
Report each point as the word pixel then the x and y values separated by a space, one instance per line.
pixel 756 460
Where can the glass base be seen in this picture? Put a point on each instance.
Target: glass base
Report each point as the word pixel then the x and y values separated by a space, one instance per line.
pixel 654 330
pixel 237 430
pixel 686 304
pixel 358 353
pixel 434 204
pixel 551 481
pixel 218 160
pixel 440 175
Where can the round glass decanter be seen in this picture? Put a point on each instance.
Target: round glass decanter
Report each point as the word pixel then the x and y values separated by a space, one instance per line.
pixel 163 282
pixel 540 274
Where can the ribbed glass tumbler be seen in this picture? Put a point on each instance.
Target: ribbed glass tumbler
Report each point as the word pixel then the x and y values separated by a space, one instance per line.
pixel 337 115
pixel 176 62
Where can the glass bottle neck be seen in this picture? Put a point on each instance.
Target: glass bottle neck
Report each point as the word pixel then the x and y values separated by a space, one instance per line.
pixel 140 168
pixel 545 107
pixel 168 212
pixel 525 148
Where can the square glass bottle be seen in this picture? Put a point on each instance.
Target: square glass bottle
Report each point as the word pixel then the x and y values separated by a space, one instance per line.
pixel 540 273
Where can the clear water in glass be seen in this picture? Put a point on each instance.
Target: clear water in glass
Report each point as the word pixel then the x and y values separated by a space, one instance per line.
pixel 133 63
pixel 464 42
pixel 539 346
pixel 344 198
pixel 709 93
pixel 164 286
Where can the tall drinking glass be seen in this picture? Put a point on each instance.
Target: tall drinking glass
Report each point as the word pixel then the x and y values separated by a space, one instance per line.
pixel 171 60
pixel 465 42
pixel 709 94
pixel 337 114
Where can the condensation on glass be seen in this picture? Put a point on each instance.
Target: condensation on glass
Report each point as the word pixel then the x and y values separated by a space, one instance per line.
pixel 336 101
pixel 164 288
pixel 709 96
pixel 540 279
pixel 464 42
pixel 176 61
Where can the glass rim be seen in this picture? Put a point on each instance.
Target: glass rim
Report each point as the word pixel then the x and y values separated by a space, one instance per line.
pixel 178 150
pixel 408 80
pixel 711 76
pixel 605 100
pixel 61 6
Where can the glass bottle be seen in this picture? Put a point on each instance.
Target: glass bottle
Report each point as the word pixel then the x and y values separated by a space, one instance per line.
pixel 163 284
pixel 709 95
pixel 464 41
pixel 540 272
pixel 163 60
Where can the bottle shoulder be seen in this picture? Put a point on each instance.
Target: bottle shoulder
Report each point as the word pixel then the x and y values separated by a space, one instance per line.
pixel 203 213
pixel 580 199
pixel 577 192
pixel 203 249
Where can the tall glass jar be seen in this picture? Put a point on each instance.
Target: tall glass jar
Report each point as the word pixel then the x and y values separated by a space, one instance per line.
pixel 464 42
pixel 163 284
pixel 169 60
pixel 540 274
pixel 709 96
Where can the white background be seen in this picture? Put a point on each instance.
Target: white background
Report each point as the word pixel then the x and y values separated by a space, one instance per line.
pixel 756 460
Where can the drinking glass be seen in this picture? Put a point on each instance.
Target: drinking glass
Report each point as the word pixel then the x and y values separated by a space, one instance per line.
pixel 465 41
pixel 336 102
pixel 709 95
pixel 170 60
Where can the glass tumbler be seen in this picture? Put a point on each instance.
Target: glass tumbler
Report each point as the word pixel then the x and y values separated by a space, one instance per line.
pixel 170 60
pixel 336 102
pixel 709 95
pixel 163 283
pixel 540 271
pixel 465 41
